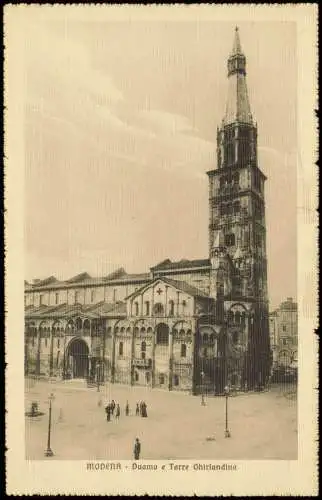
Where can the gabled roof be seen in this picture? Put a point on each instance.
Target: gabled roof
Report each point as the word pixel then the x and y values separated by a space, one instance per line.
pixel 186 287
pixel 79 277
pixel 179 285
pixel 181 264
pixel 116 274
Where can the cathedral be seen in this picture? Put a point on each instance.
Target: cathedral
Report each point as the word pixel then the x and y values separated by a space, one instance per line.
pixel 191 325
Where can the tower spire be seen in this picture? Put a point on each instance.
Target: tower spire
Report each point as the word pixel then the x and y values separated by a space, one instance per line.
pixel 238 107
pixel 237 50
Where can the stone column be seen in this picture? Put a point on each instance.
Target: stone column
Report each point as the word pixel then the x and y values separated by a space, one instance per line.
pixel 178 298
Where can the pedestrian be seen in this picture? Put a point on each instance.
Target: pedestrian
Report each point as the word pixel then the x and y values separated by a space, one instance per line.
pixel 141 406
pixel 118 411
pixel 127 409
pixel 137 449
pixel 144 412
pixel 112 406
pixel 137 411
pixel 108 413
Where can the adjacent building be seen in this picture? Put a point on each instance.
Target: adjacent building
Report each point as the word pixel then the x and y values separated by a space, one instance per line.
pixel 184 325
pixel 283 325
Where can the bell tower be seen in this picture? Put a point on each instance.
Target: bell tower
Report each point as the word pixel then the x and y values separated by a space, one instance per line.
pixel 237 207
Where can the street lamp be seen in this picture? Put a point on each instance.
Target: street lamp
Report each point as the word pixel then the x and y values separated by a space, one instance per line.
pixel 227 432
pixel 202 389
pixel 49 452
pixel 98 376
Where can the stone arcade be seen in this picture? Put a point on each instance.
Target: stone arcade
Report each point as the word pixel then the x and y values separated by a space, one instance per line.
pixel 187 325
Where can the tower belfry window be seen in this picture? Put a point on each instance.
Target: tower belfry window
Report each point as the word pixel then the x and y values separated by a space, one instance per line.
pixel 229 240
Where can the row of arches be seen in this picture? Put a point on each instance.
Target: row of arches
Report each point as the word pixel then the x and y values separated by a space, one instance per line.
pixel 158 309
pixel 237 317
pixel 143 350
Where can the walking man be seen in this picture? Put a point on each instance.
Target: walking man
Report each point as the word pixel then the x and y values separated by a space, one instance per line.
pixel 143 410
pixel 118 411
pixel 137 449
pixel 108 413
pixel 137 411
pixel 112 406
pixel 127 409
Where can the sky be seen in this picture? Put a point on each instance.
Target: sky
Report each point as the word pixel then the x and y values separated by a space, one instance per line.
pixel 120 130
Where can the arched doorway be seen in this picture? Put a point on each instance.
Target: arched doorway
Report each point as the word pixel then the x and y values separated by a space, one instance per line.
pixel 77 358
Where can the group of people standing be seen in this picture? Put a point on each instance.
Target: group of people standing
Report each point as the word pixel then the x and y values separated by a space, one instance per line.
pixel 113 409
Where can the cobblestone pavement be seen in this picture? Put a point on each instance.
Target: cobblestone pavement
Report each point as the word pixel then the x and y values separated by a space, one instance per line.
pixel 262 425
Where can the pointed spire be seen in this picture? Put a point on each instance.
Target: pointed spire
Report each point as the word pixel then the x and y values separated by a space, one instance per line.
pixel 237 50
pixel 238 107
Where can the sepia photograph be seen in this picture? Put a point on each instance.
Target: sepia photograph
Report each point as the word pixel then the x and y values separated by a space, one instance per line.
pixel 160 247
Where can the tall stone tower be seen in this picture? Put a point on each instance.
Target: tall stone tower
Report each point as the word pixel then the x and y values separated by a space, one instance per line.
pixel 237 228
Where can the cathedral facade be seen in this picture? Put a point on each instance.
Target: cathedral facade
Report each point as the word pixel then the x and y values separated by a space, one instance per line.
pixel 192 325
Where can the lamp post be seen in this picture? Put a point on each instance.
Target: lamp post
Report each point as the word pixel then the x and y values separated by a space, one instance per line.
pixel 49 452
pixel 227 432
pixel 202 389
pixel 98 376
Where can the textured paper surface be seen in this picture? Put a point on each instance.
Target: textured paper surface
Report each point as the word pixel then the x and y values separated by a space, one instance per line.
pixel 297 477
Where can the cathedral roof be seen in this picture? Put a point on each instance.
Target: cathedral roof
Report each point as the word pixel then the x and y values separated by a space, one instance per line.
pixel 99 310
pixel 181 264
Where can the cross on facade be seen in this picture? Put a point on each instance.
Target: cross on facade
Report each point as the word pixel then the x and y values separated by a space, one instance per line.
pixel 159 291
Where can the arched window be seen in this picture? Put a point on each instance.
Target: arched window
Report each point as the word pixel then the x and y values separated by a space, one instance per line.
pixel 171 308
pixel 56 298
pixel 136 376
pixel 162 334
pixel 158 309
pixel 143 350
pixel 136 308
pixel 237 317
pixel 183 350
pixel 121 349
pixel 58 342
pixel 229 240
pixel 161 379
pixel 176 380
pixel 79 324
pixel 235 337
pixel 236 207
pixel 147 308
pixel 122 329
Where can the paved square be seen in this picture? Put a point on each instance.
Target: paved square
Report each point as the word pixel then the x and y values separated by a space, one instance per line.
pixel 262 425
